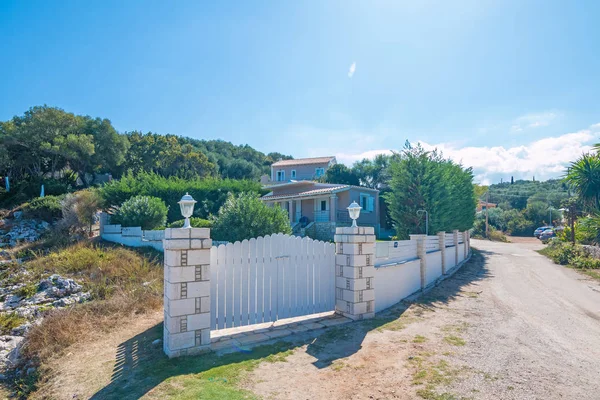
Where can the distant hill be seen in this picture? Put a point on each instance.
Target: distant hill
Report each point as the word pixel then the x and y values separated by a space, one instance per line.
pixel 516 195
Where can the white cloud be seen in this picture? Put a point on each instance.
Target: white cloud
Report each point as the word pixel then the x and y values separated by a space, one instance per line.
pixel 534 120
pixel 545 158
pixel 352 70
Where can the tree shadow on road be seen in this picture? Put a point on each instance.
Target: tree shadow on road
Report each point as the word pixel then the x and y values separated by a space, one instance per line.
pixel 141 366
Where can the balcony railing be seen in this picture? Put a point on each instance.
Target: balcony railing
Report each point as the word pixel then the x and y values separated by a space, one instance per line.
pixel 322 216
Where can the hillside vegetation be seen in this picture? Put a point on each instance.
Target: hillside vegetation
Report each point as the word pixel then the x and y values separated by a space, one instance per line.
pixel 50 146
pixel 522 206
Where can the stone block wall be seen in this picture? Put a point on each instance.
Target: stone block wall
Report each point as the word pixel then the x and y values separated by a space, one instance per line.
pixel 355 272
pixel 187 291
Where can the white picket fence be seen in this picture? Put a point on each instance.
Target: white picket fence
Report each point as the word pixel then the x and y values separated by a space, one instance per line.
pixel 271 278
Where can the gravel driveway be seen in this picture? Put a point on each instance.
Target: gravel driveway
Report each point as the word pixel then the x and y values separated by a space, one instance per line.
pixel 509 325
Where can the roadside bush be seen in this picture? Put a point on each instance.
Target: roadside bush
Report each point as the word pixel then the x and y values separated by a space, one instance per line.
pixel 564 253
pixel 244 216
pixel 210 193
pixel 147 212
pixel 195 222
pixel 47 208
pixel 498 236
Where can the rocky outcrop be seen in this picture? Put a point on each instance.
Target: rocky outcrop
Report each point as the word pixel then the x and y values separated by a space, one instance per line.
pixel 52 292
pixel 13 232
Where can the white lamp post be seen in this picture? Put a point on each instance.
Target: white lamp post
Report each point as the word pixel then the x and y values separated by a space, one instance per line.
pixel 187 208
pixel 354 211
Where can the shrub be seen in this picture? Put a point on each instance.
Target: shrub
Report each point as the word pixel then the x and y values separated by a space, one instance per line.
pixel 9 321
pixel 45 208
pixel 498 236
pixel 244 216
pixel 210 193
pixel 563 253
pixel 195 222
pixel 147 212
pixel 79 210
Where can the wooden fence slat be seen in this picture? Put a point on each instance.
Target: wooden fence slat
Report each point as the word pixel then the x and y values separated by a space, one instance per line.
pixel 260 281
pixel 229 310
pixel 302 276
pixel 237 284
pixel 245 282
pixel 295 253
pixel 252 284
pixel 214 286
pixel 222 290
pixel 311 281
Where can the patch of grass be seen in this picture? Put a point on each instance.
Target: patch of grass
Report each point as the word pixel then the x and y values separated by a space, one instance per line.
pixel 431 374
pixel 27 291
pixel 458 328
pixel 429 394
pixel 338 365
pixel 9 321
pixel 455 340
pixel 420 339
pixel 207 377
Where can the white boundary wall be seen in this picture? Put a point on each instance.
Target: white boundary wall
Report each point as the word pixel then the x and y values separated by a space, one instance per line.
pixel 395 282
pixel 400 272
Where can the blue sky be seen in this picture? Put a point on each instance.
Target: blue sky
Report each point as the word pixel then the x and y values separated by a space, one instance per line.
pixel 508 87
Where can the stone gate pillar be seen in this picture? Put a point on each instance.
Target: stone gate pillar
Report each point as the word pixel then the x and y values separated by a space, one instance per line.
pixel 355 272
pixel 187 291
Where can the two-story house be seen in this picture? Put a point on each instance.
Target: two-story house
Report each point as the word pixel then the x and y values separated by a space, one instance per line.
pixel 302 169
pixel 314 208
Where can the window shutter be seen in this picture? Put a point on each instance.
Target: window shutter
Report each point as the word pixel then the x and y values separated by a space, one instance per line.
pixel 371 203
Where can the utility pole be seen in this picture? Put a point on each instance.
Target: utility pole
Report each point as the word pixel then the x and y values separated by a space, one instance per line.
pixel 487 208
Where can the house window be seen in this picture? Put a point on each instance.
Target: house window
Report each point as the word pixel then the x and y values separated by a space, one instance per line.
pixel 323 205
pixel 319 172
pixel 280 176
pixel 293 174
pixel 367 202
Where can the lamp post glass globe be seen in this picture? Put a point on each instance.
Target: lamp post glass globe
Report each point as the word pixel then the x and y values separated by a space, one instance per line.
pixel 354 211
pixel 186 204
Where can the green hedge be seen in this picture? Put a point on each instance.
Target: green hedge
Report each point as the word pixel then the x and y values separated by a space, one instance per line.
pixel 194 222
pixel 210 194
pixel 47 208
pixel 145 211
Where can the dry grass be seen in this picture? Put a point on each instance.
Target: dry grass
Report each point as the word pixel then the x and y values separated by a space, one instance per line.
pixel 63 328
pixel 122 282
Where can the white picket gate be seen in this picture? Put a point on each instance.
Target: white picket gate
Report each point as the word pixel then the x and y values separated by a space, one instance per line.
pixel 271 278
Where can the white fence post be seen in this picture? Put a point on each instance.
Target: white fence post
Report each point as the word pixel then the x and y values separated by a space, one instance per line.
pixel 442 236
pixel 422 254
pixel 355 272
pixel 455 233
pixel 187 291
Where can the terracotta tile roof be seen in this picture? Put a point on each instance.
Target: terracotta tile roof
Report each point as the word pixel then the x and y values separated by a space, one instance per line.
pixel 306 193
pixel 313 192
pixel 303 161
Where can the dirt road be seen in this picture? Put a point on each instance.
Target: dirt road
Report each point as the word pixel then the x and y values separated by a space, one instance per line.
pixel 509 325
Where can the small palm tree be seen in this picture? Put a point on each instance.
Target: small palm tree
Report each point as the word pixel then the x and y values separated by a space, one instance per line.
pixel 584 175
